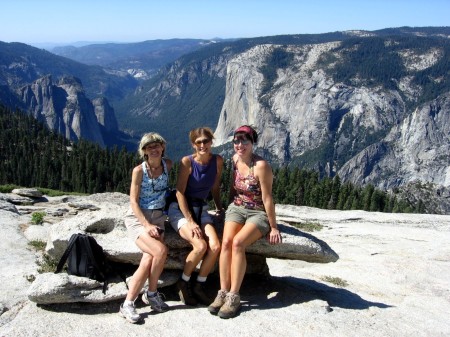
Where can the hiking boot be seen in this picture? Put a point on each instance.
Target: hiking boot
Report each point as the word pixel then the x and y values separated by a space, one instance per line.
pixel 156 302
pixel 185 293
pixel 200 295
pixel 215 306
pixel 129 313
pixel 231 306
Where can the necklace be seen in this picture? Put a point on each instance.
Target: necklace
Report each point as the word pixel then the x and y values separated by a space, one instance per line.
pixel 152 180
pixel 151 168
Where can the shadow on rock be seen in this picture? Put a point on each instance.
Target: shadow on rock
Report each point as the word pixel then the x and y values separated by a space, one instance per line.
pixel 170 293
pixel 83 308
pixel 280 292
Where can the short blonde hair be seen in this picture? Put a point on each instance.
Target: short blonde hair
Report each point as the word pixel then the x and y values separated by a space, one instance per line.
pixel 148 138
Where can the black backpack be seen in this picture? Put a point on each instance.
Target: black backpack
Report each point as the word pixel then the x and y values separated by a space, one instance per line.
pixel 86 258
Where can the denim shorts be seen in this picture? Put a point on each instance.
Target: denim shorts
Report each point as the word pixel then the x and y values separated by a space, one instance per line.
pixel 244 215
pixel 177 219
pixel 135 228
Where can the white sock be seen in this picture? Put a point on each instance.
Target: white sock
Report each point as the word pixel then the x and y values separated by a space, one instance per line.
pixel 128 303
pixel 151 293
pixel 186 278
pixel 201 278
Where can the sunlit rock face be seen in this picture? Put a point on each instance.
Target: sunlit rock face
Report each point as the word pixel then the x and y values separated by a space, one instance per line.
pixel 368 131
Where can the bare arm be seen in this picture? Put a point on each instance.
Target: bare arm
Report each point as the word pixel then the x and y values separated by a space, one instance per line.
pixel 264 174
pixel 215 191
pixel 232 193
pixel 183 176
pixel 168 164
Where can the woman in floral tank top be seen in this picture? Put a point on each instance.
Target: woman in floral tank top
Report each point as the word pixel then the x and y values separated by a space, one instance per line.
pixel 249 217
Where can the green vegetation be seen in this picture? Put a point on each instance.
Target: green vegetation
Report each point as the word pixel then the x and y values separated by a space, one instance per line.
pixel 305 188
pixel 55 164
pixel 335 280
pixel 279 58
pixel 47 264
pixel 37 218
pixel 301 187
pixel 8 188
pixel 307 226
pixel 38 245
pixel 31 155
pixel 55 193
pixel 376 61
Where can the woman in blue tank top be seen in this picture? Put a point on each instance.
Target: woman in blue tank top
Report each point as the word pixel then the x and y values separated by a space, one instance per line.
pixel 145 224
pixel 199 175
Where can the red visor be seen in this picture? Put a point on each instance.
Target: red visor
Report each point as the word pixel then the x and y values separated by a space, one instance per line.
pixel 244 129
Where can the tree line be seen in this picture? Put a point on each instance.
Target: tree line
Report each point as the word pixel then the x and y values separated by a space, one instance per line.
pixel 301 187
pixel 33 156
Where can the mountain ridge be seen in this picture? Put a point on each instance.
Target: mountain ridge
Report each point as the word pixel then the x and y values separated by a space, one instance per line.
pixel 329 107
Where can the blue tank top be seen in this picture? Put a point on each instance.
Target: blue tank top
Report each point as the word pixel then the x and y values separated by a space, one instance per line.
pixel 201 179
pixel 153 191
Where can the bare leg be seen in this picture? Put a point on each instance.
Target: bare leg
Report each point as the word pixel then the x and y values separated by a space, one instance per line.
pixel 199 247
pixel 212 251
pixel 153 259
pixel 230 230
pixel 246 236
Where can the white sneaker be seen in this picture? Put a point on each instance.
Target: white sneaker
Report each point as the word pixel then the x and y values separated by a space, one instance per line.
pixel 156 302
pixel 129 313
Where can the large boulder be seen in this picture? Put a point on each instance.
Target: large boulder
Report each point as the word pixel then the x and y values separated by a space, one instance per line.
pixel 50 288
pixel 27 192
pixel 102 217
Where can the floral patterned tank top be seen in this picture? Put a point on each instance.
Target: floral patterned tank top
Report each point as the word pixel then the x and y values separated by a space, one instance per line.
pixel 248 190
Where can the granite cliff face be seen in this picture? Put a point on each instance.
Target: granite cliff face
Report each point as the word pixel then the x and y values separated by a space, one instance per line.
pixel 416 149
pixel 365 133
pixel 64 107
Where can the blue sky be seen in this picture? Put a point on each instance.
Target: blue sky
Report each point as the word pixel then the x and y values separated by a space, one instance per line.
pixel 65 21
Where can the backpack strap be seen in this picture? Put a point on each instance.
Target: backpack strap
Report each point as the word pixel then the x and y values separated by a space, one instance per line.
pixel 64 257
pixel 87 245
pixel 107 266
pixel 110 267
pixel 84 239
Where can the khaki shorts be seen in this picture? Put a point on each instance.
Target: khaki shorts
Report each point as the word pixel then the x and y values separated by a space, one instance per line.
pixel 135 228
pixel 244 215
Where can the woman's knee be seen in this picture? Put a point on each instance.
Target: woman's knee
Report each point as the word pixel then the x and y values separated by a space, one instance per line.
pixel 200 246
pixel 162 251
pixel 227 243
pixel 215 247
pixel 146 261
pixel 237 244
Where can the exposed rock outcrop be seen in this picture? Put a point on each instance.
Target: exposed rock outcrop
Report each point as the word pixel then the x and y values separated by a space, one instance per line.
pixel 65 108
pixel 366 133
pixel 101 216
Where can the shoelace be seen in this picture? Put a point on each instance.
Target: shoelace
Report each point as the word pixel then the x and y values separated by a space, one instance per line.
pixel 231 298
pixel 131 309
pixel 160 297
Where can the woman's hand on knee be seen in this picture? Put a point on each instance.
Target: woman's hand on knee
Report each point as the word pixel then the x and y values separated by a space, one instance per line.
pixel 195 230
pixel 154 231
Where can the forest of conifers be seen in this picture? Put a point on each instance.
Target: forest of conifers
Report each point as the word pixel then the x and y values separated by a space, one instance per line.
pixel 33 156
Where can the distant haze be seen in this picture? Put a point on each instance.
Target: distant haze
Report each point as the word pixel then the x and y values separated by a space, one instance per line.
pixel 44 23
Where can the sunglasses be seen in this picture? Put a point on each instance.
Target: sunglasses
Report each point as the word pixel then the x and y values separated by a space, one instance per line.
pixel 243 141
pixel 202 141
